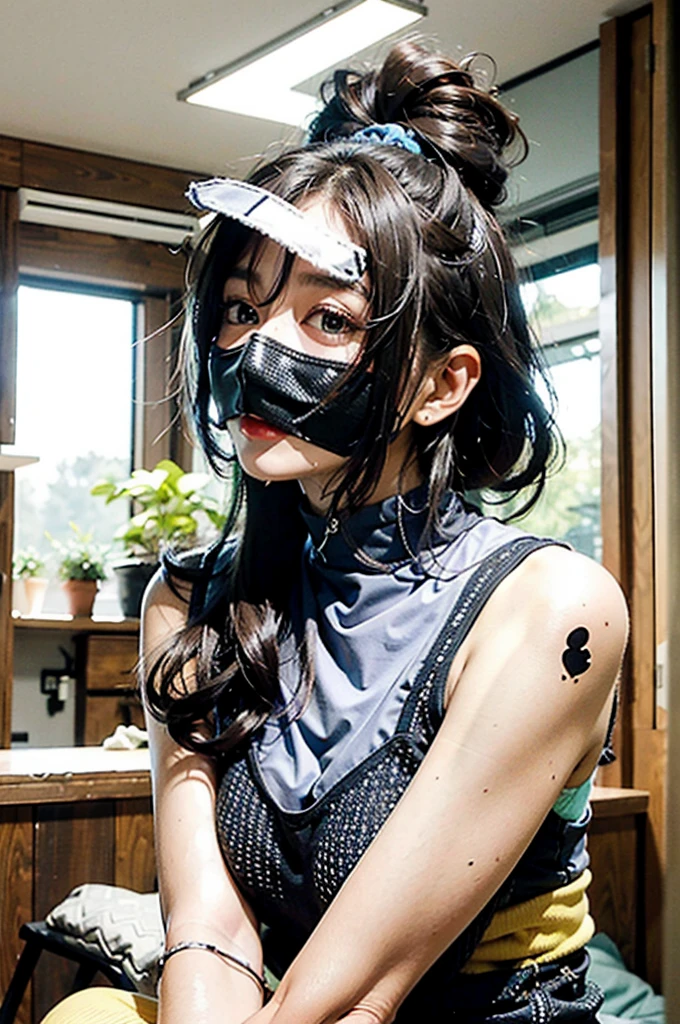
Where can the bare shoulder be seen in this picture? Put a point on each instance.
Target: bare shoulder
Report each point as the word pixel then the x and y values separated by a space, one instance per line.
pixel 558 600
pixel 165 605
pixel 564 582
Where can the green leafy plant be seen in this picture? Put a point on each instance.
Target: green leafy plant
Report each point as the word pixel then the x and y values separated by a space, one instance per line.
pixel 80 558
pixel 27 564
pixel 170 503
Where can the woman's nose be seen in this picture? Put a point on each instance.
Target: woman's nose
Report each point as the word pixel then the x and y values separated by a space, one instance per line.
pixel 280 327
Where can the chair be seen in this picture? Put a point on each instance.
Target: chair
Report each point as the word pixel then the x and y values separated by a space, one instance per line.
pixel 39 936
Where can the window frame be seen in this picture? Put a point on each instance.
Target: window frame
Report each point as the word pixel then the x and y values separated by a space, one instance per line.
pixel 83 258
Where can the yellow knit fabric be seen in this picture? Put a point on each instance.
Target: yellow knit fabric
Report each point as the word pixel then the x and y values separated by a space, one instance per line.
pixel 104 1006
pixel 537 931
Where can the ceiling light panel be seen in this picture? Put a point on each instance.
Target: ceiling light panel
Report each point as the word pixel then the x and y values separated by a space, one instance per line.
pixel 262 84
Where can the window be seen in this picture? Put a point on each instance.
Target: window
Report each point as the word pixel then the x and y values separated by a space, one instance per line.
pixel 563 310
pixel 74 411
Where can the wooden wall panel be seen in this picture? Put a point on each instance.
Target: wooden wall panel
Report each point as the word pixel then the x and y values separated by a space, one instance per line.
pixel 639 405
pixel 668 211
pixel 74 843
pixel 632 190
pixel 135 866
pixel 614 848
pixel 650 750
pixel 10 162
pixel 99 259
pixel 95 176
pixel 16 893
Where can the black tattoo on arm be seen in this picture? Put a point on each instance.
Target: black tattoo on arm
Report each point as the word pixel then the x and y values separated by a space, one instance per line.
pixel 576 658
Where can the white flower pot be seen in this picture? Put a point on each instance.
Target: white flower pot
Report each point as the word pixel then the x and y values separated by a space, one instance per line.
pixel 28 595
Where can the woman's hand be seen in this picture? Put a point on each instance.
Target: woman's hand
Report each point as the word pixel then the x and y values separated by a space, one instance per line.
pixel 525 718
pixel 371 1010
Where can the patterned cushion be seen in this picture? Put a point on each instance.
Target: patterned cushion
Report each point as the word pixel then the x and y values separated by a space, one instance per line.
pixel 117 924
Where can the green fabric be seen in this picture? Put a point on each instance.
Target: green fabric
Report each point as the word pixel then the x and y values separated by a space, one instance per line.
pixel 627 997
pixel 572 801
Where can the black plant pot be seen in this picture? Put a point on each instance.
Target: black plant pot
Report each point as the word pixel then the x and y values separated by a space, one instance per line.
pixel 133 577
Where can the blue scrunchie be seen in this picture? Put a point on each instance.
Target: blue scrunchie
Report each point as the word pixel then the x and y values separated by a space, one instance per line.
pixel 388 135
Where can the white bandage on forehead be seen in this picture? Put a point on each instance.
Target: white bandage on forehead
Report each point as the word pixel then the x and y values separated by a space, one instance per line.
pixel 270 215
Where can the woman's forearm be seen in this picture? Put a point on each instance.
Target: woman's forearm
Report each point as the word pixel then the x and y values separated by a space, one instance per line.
pixel 199 987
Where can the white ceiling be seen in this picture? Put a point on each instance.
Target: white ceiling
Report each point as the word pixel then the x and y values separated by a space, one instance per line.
pixel 103 74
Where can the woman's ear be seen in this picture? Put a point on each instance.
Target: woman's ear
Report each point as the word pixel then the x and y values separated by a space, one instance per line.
pixel 445 388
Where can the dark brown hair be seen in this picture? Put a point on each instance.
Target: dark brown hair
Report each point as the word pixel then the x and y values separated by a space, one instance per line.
pixel 441 275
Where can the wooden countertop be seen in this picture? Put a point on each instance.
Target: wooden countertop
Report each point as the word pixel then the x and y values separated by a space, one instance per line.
pixel 78 624
pixel 66 774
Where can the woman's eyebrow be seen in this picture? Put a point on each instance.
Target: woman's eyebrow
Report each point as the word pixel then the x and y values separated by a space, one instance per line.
pixel 328 281
pixel 243 274
pixel 305 278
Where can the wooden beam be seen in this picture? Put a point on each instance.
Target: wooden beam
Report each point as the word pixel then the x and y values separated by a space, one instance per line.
pixel 90 257
pixel 611 314
pixel 154 405
pixel 639 344
pixel 10 162
pixel 95 176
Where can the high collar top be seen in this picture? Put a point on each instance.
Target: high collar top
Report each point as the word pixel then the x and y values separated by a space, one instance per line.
pixel 375 605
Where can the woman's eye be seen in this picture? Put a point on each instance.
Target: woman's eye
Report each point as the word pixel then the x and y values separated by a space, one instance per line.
pixel 330 321
pixel 239 313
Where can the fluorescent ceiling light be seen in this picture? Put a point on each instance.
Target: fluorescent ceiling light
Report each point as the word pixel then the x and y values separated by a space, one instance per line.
pixel 262 84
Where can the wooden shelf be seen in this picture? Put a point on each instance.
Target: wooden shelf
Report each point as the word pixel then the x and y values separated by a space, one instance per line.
pixel 68 623
pixel 610 801
pixel 10 462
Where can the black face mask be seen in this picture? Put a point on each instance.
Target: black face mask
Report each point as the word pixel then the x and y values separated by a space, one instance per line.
pixel 286 388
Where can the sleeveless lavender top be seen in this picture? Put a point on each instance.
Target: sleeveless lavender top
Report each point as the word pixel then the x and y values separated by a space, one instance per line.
pixel 374 627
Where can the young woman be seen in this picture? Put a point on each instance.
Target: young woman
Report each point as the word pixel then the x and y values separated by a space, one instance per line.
pixel 374 713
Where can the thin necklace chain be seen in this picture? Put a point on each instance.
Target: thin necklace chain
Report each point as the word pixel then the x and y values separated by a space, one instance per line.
pixel 334 525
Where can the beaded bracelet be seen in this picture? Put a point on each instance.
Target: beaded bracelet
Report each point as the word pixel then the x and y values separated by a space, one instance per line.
pixel 231 959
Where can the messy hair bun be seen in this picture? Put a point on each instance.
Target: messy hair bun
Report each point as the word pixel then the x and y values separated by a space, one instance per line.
pixel 454 120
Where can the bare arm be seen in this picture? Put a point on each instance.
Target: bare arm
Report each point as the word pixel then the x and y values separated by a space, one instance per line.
pixel 516 728
pixel 199 898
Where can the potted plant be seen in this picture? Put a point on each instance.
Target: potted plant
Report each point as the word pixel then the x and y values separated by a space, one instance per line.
pixel 29 583
pixel 81 568
pixel 170 505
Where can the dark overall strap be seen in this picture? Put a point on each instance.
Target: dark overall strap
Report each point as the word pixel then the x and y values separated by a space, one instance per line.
pixel 424 709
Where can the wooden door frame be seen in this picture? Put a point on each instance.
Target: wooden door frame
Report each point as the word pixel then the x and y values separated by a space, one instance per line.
pixel 633 194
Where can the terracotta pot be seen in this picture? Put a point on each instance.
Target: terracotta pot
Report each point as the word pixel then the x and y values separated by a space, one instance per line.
pixel 80 595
